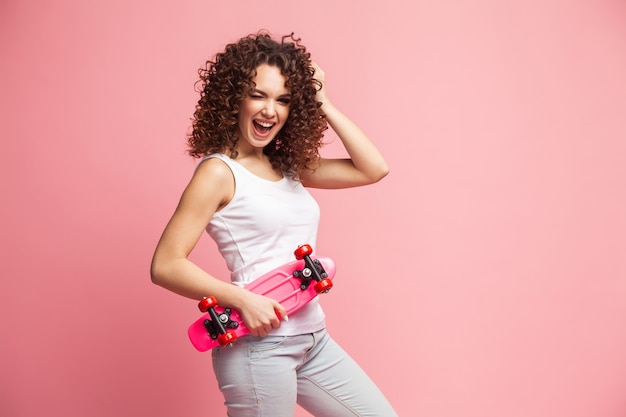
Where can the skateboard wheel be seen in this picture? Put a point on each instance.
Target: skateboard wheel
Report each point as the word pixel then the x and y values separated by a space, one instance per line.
pixel 323 285
pixel 206 303
pixel 302 251
pixel 226 338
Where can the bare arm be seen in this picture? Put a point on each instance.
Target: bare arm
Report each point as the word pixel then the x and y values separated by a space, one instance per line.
pixel 366 164
pixel 210 189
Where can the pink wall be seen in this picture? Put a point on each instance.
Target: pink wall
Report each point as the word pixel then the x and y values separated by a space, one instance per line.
pixel 485 277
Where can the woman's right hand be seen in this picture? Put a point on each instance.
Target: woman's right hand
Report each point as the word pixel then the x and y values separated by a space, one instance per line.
pixel 260 314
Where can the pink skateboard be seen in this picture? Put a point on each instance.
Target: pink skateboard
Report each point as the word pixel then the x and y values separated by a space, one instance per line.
pixel 293 285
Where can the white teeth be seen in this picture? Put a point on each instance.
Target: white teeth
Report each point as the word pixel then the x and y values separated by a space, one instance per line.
pixel 266 125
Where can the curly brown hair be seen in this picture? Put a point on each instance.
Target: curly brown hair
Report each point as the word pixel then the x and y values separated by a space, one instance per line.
pixel 225 81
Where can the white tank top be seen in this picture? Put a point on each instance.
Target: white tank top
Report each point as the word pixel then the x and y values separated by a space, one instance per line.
pixel 259 229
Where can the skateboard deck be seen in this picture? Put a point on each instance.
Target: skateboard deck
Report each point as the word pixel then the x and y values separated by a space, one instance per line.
pixel 293 285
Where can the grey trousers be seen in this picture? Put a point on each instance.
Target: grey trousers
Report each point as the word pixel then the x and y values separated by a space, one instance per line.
pixel 266 377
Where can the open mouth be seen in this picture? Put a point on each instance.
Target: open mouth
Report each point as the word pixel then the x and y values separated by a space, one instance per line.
pixel 263 127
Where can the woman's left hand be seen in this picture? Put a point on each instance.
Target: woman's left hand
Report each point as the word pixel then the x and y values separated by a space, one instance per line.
pixel 321 77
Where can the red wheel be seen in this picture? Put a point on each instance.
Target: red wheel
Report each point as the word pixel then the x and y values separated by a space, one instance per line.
pixel 206 303
pixel 227 338
pixel 323 285
pixel 302 251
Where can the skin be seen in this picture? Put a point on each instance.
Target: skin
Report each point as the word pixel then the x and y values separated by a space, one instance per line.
pixel 212 187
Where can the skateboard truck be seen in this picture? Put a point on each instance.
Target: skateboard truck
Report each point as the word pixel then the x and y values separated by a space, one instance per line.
pixel 313 270
pixel 218 324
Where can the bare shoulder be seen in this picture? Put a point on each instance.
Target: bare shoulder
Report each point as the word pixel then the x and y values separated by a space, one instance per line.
pixel 213 182
pixel 213 169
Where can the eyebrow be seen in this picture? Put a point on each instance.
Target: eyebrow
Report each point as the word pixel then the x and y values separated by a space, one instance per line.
pixel 256 90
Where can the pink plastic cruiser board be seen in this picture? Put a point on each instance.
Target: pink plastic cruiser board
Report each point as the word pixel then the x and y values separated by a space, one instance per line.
pixel 293 285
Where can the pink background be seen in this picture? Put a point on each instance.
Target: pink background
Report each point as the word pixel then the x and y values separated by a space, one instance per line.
pixel 484 277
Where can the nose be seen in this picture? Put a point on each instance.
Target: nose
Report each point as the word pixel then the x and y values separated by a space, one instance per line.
pixel 269 110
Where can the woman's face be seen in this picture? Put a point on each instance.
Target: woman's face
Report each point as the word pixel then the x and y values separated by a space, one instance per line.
pixel 264 110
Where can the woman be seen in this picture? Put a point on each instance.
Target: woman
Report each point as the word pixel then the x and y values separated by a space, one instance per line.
pixel 258 127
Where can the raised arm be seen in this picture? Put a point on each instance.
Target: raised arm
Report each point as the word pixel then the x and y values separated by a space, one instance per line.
pixel 366 164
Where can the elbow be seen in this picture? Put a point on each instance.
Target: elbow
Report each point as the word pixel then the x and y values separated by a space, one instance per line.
pixel 381 173
pixel 154 276
pixel 156 273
